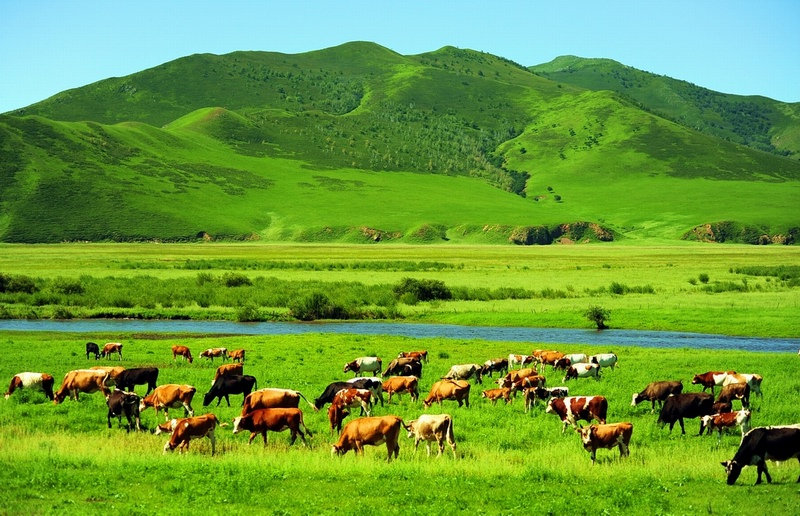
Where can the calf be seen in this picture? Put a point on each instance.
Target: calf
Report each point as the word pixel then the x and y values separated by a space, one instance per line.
pixel 39 381
pixel 574 408
pixel 363 365
pixel 685 405
pixel 495 394
pixel 735 391
pixel 464 372
pixel 711 379
pixel 726 420
pixel 228 370
pixel 110 348
pixel 193 428
pixel 124 403
pixel 273 398
pixel 431 428
pixel 371 431
pixel 237 355
pixel 499 365
pixel 777 443
pixel 127 379
pixel 227 385
pixel 401 384
pixel 182 351
pixel 169 396
pixel 212 353
pixel 582 371
pixel 657 392
pixel 274 420
pixel 457 390
pixel 422 356
pixel 92 349
pixel 606 436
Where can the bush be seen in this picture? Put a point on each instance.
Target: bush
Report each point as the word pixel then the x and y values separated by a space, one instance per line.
pixel 312 307
pixel 248 313
pixel 22 284
pixel 703 277
pixel 422 290
pixel 232 279
pixel 598 315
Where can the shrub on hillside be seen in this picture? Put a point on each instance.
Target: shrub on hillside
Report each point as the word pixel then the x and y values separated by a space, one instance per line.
pixel 18 283
pixel 422 289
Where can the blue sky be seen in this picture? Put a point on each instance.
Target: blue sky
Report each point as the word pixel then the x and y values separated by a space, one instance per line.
pixel 741 47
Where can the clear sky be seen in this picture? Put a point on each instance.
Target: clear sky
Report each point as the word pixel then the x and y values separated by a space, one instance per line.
pixel 745 47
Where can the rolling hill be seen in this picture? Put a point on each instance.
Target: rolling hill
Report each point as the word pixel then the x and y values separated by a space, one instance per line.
pixel 357 143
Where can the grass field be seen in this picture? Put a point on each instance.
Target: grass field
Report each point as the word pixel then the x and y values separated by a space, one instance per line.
pixel 63 459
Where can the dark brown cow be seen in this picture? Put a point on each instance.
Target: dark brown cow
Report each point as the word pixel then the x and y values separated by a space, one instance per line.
pixel 212 353
pixel 273 398
pixel 237 355
pixel 182 351
pixel 39 381
pixel 193 428
pixel 493 395
pixel 110 348
pixel 121 403
pixel 495 365
pixel 371 431
pixel 228 370
pixel 711 379
pixel 82 380
pixel 457 390
pixel 657 392
pixel 575 408
pixel 273 420
pixel 422 356
pixel 401 384
pixel 685 405
pixel 607 436
pixel 128 379
pixel 406 366
pixel 735 391
pixel 169 396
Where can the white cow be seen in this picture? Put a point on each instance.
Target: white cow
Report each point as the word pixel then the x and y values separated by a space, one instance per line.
pixel 464 372
pixel 604 360
pixel 753 380
pixel 364 365
pixel 582 371
pixel 428 428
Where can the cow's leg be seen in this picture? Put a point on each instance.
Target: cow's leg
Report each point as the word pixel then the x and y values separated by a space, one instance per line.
pixel 292 436
pixel 428 446
pixel 594 456
pixel 227 400
pixel 253 436
pixel 683 430
pixel 187 407
pixel 441 446
pixel 213 437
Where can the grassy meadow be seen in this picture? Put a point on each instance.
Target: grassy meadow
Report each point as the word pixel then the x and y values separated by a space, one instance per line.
pixel 58 459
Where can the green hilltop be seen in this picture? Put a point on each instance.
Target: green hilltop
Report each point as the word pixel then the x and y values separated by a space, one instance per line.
pixel 357 143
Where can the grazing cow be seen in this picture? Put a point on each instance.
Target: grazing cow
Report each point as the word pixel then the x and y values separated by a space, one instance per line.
pixel 457 390
pixel 110 348
pixel 582 371
pixel 532 394
pixel 169 426
pixel 604 360
pixel 358 383
pixel 169 396
pixel 753 380
pixel 516 375
pixel 776 443
pixel 113 372
pixel 92 349
pixel 576 358
pixel 711 379
pixel 182 351
pixel 495 394
pixel 402 384
pixel 364 365
pixel 273 420
pixel 128 379
pixel 82 380
pixel 685 405
pixel 607 436
pixel 521 360
pixel 124 403
pixel 575 408
pixel 527 382
pixel 429 428
pixel 371 431
pixel 549 358
pixel 39 381
pixel 227 370
pixel 464 372
pixel 273 398
pixel 227 385
pixel 212 353
pixel 722 408
pixel 193 428
pixel 237 355
pixel 422 355
pixel 735 391
pixel 345 399
pixel 657 392
pixel 492 365
pixel 726 420
pixel 406 366
pixel 371 383
pixel 562 364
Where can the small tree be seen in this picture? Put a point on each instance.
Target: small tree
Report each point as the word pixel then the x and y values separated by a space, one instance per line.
pixel 598 315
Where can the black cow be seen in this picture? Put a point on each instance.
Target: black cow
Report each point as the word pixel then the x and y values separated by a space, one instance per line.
pixel 685 405
pixel 92 348
pixel 778 443
pixel 129 378
pixel 123 403
pixel 403 367
pixel 331 390
pixel 231 384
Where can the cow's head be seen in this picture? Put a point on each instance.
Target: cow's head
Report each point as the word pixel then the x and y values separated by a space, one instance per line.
pixel 208 398
pixel 336 450
pixel 351 366
pixel 410 428
pixel 636 400
pixel 550 409
pixel 696 379
pixel 237 421
pixel 58 398
pixel 733 469
pixel 586 436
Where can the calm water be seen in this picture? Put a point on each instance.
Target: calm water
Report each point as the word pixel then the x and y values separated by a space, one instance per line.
pixel 609 338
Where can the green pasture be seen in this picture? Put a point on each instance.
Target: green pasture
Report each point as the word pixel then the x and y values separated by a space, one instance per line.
pixel 64 459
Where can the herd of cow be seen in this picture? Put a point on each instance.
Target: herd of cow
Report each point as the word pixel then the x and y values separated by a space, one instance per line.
pixel 276 410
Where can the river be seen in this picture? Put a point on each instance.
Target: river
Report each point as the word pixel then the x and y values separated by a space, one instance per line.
pixel 607 338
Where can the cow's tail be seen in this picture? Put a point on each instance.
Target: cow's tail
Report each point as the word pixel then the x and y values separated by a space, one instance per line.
pixel 450 437
pixel 302 422
pixel 309 403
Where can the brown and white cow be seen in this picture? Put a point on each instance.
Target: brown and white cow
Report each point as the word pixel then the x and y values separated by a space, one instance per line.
pixel 493 395
pixel 364 365
pixel 237 355
pixel 182 351
pixel 657 392
pixel 520 360
pixel 110 348
pixel 82 380
pixel 575 408
pixel 726 420
pixel 228 370
pixel 464 372
pixel 273 398
pixel 550 358
pixel 345 399
pixel 607 436
pixel 753 380
pixel 457 390
pixel 711 379
pixel 273 420
pixel 421 355
pixel 169 396
pixel 429 428
pixel 372 431
pixel 212 353
pixel 515 375
pixel 735 391
pixel 402 384
pixel 37 381
pixel 588 370
pixel 527 382
pixel 193 428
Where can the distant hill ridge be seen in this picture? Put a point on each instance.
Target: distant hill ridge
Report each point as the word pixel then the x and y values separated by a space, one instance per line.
pixel 360 143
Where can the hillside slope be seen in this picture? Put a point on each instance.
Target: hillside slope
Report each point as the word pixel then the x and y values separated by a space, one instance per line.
pixel 359 144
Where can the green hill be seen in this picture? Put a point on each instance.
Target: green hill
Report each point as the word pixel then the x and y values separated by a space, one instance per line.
pixel 360 144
